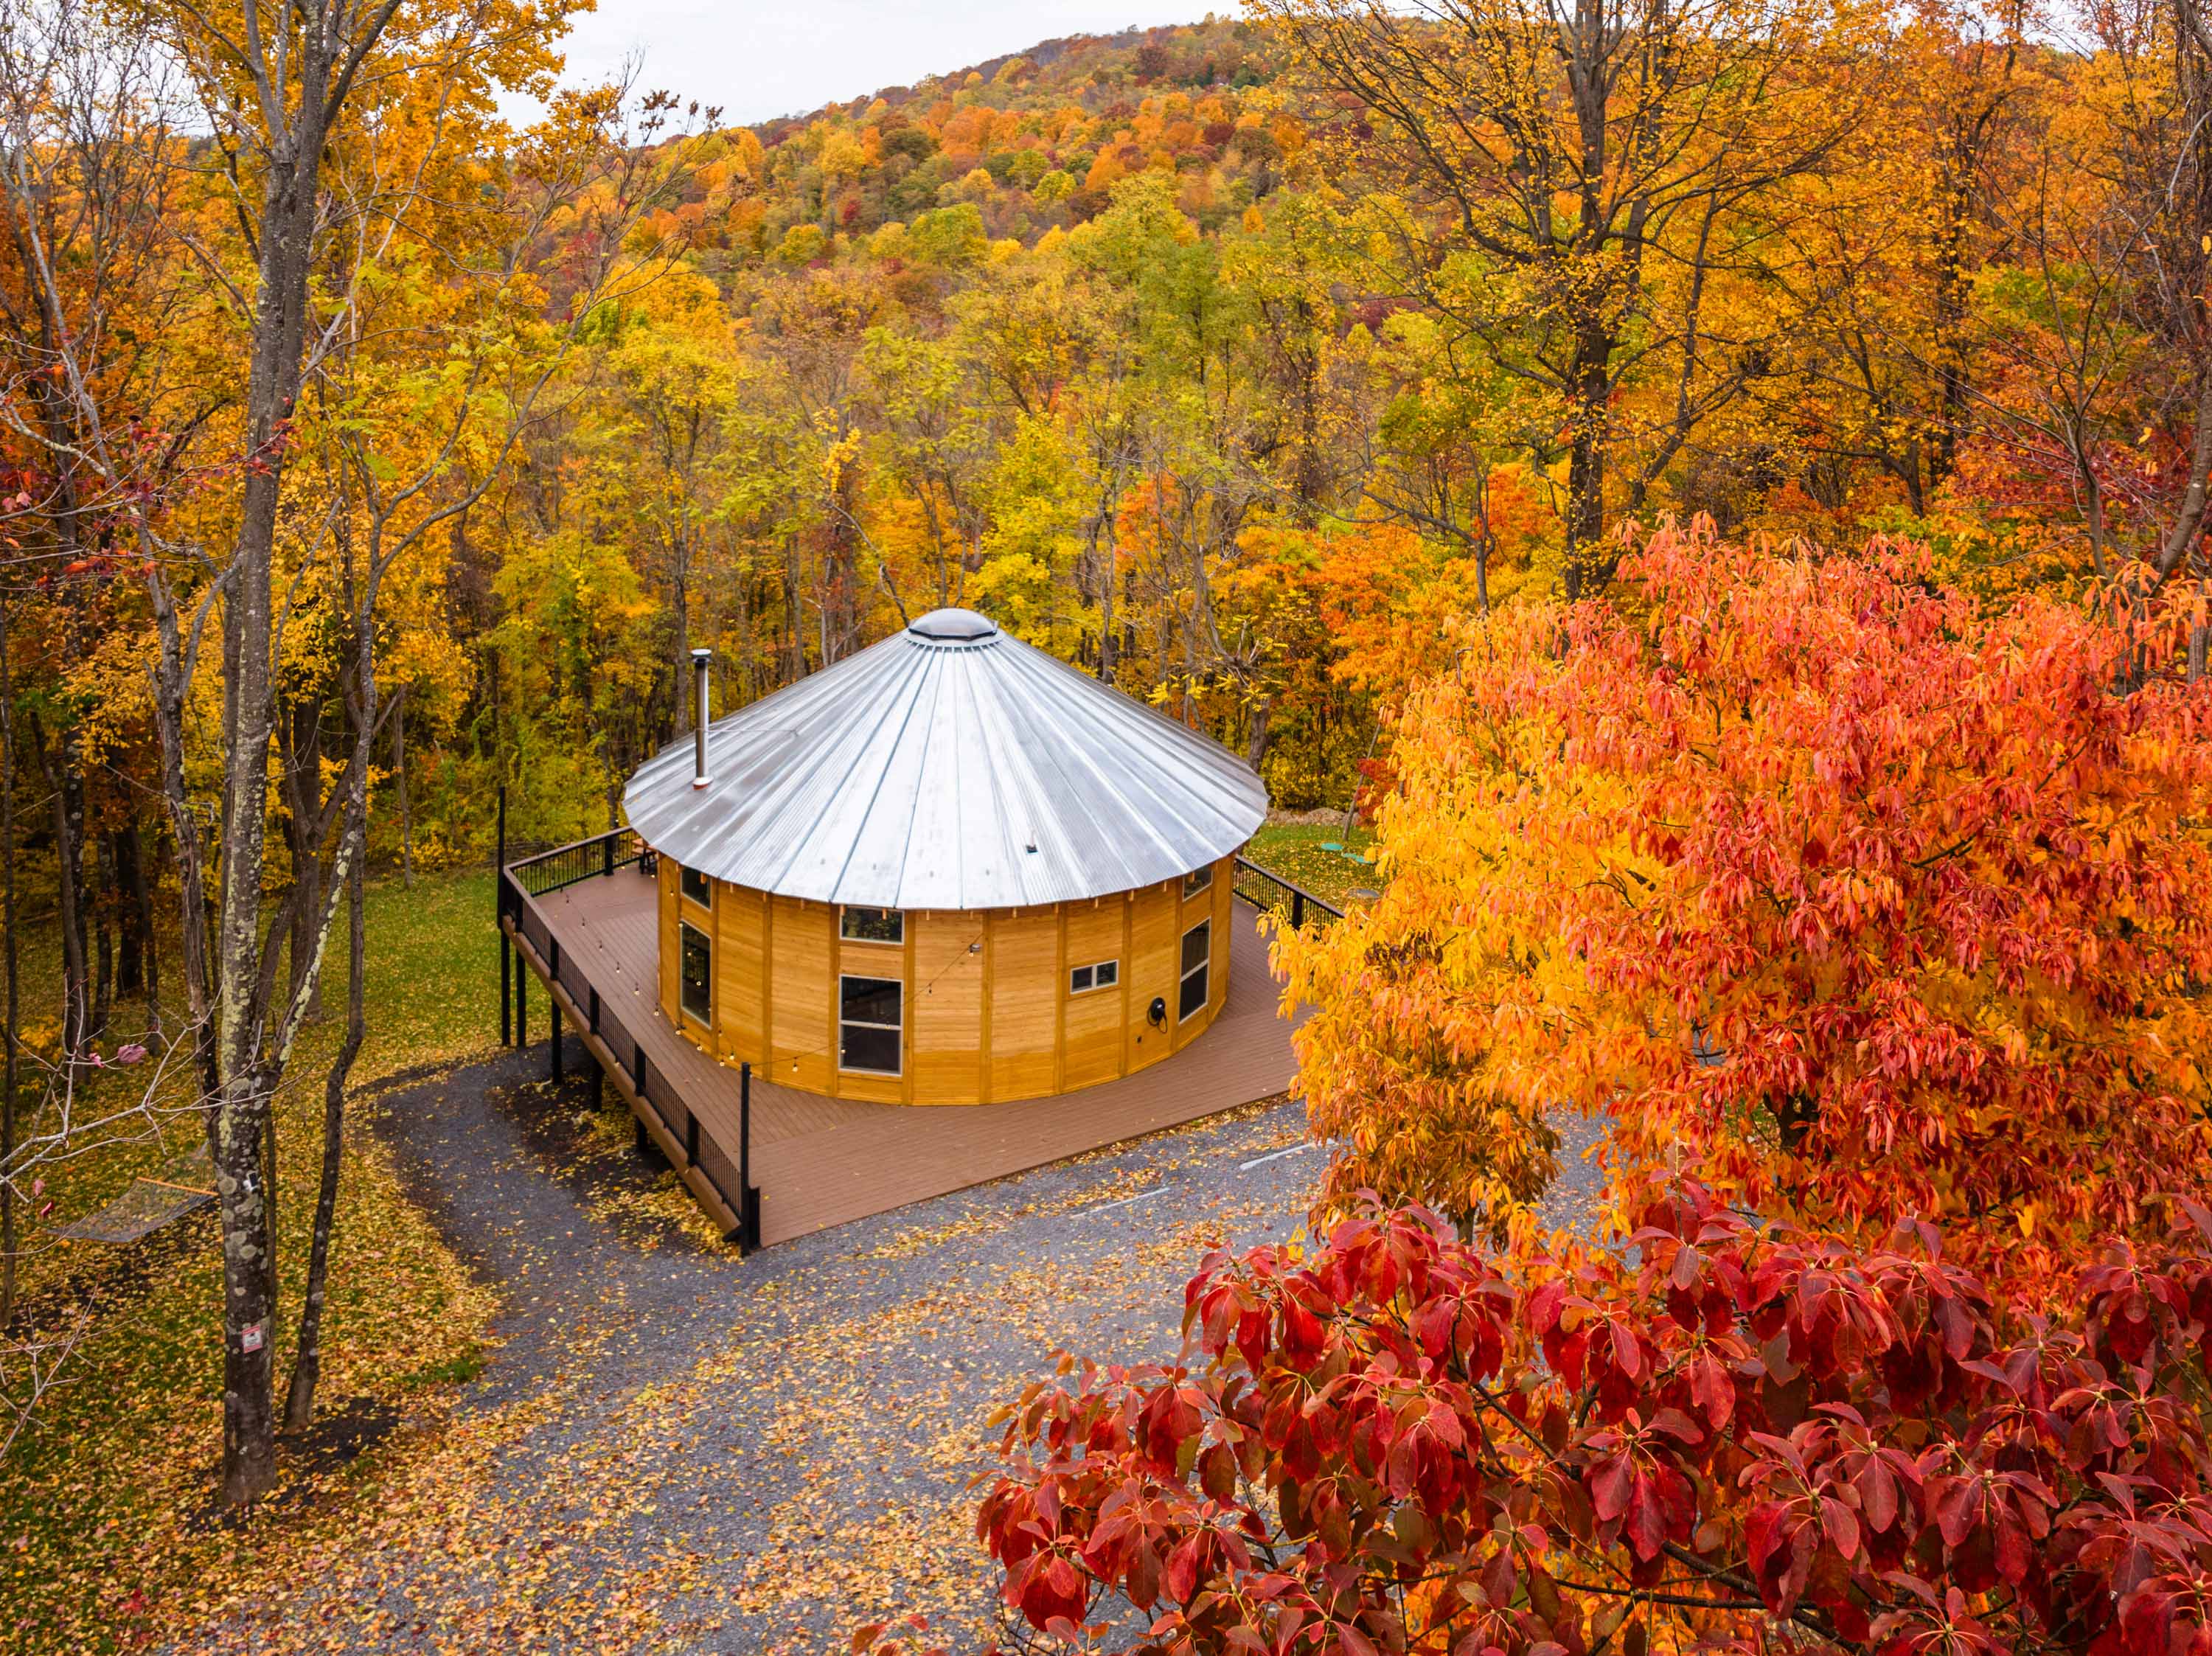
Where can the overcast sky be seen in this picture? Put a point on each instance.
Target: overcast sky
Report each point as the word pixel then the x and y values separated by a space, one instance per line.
pixel 759 58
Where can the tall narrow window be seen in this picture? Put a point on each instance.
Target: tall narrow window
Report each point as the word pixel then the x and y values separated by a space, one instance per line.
pixel 698 974
pixel 695 887
pixel 872 926
pixel 868 1024
pixel 1197 880
pixel 1197 957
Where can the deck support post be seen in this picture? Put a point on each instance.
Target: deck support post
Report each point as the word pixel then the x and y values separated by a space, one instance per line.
pixel 556 1042
pixel 748 1198
pixel 506 961
pixel 522 1008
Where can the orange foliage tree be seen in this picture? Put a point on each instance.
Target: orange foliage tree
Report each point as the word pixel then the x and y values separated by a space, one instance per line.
pixel 1801 870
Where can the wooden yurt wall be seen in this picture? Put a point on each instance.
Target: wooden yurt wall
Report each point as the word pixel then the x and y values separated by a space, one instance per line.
pixel 989 1014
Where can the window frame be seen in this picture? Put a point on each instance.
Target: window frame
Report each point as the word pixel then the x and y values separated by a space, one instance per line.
pixel 704 898
pixel 1091 984
pixel 897 1029
pixel 1203 972
pixel 684 932
pixel 897 916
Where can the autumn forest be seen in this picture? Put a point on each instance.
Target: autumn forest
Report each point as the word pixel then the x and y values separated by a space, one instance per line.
pixel 1696 514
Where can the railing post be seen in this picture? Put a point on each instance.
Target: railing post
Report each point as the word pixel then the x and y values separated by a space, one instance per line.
pixel 691 1139
pixel 607 854
pixel 1298 910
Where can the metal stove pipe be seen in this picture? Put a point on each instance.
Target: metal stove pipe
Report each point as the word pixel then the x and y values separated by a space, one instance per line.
pixel 699 660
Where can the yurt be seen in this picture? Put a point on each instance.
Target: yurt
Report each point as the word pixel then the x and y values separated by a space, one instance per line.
pixel 948 869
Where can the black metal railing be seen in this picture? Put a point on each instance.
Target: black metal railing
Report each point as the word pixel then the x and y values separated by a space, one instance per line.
pixel 564 865
pixel 1264 888
pixel 580 859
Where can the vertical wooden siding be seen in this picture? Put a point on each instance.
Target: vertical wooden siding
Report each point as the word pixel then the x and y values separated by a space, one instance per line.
pixel 990 1016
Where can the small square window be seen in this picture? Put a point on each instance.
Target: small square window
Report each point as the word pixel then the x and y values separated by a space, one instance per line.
pixel 1105 974
pixel 698 995
pixel 695 887
pixel 1197 880
pixel 872 926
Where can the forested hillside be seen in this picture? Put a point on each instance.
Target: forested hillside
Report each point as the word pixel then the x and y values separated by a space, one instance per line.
pixel 1160 349
pixel 1721 490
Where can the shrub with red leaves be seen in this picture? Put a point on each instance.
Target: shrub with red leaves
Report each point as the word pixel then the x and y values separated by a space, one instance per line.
pixel 1733 1440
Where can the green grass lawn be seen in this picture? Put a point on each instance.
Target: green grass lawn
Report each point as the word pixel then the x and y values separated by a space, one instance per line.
pixel 1300 853
pixel 107 1539
pixel 106 1533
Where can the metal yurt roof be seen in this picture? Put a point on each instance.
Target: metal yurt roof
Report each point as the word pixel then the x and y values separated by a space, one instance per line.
pixel 948 767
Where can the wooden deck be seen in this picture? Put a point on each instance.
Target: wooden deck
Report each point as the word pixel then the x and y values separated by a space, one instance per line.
pixel 820 1162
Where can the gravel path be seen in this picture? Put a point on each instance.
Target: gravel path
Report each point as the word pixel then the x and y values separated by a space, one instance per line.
pixel 677 1450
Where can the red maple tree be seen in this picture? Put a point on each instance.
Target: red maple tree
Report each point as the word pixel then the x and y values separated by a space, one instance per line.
pixel 1738 1440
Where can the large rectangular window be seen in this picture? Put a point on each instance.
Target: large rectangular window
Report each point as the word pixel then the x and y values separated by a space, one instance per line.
pixel 698 974
pixel 1197 958
pixel 695 887
pixel 869 1023
pixel 872 926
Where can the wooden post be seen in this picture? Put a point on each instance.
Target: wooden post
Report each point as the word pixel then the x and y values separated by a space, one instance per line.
pixel 748 1198
pixel 499 914
pixel 522 1004
pixel 690 1138
pixel 554 1000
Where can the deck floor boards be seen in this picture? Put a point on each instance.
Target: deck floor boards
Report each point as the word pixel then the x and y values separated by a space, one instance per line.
pixel 821 1161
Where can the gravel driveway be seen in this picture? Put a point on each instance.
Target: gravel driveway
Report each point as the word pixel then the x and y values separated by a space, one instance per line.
pixel 677 1450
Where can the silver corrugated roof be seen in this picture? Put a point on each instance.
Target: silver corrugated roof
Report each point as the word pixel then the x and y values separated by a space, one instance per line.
pixel 948 767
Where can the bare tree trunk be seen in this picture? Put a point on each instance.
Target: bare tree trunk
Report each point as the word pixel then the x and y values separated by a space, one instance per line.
pixel 11 1064
pixel 102 904
pixel 399 774
pixel 680 594
pixel 1587 567
pixel 307 1362
pixel 300 745
pixel 240 1122
pixel 1255 750
pixel 140 966
pixel 65 787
